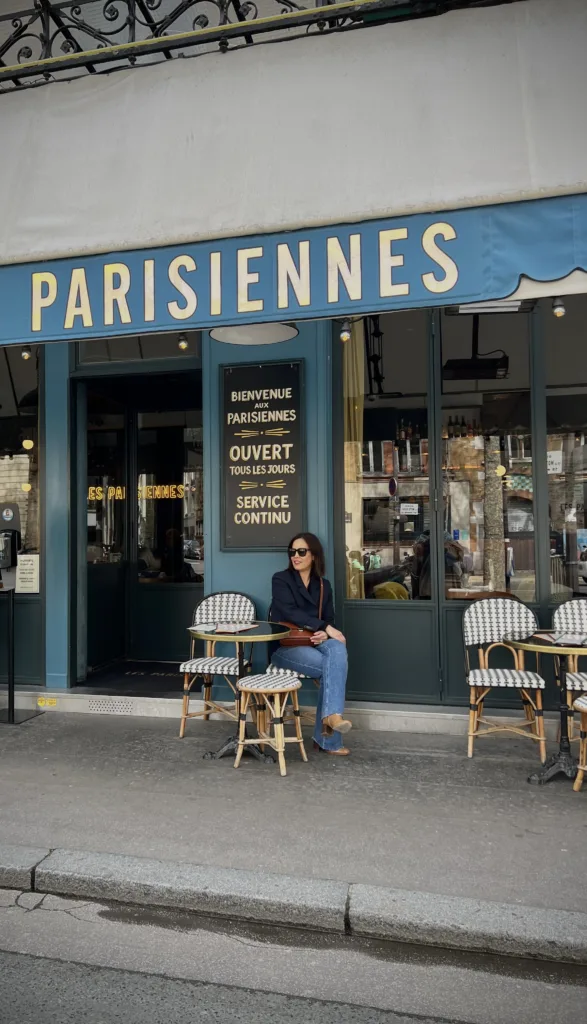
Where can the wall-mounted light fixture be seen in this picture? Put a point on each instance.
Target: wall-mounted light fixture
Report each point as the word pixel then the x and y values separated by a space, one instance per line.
pixel 182 342
pixel 255 334
pixel 345 330
pixel 26 352
pixel 558 307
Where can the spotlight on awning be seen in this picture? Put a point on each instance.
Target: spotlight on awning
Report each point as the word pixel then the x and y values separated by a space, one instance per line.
pixel 255 334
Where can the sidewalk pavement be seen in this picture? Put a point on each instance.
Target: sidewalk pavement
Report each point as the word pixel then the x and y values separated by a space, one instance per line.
pixel 408 813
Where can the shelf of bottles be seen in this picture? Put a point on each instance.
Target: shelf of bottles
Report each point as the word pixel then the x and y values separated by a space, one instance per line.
pixel 406 455
pixel 515 449
pixel 462 428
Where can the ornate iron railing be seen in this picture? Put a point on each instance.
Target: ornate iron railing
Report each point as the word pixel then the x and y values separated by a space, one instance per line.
pixel 60 38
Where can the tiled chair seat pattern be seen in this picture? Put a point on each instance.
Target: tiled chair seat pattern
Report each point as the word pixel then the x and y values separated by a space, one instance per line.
pixel 266 683
pixel 577 681
pixel 491 623
pixel 506 677
pixel 268 695
pixel 214 666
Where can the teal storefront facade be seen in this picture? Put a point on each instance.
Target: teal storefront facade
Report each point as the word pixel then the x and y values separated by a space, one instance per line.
pixel 425 264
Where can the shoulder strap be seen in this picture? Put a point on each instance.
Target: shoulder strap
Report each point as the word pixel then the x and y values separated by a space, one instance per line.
pixel 321 598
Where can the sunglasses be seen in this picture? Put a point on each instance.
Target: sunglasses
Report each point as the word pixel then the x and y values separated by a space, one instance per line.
pixel 302 552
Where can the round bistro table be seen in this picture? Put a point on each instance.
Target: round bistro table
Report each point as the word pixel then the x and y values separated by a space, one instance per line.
pixel 257 632
pixel 563 762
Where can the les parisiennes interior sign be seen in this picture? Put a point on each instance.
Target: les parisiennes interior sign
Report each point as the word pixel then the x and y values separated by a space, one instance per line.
pixel 150 492
pixel 262 455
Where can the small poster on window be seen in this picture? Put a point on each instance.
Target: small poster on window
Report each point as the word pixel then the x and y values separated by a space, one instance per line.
pixel 554 462
pixel 27 574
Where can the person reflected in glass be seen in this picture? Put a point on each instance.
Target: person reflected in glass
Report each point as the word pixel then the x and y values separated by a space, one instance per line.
pixel 296 598
pixel 421 570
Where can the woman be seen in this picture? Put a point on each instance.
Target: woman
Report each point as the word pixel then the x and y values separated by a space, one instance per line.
pixel 296 599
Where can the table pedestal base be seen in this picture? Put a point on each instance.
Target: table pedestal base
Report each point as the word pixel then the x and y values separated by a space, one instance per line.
pixel 19 716
pixel 559 764
pixel 230 747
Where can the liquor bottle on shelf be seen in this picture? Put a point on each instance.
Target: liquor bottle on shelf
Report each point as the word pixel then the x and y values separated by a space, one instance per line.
pixel 403 459
pixel 397 431
pixel 444 432
pixel 463 427
pixel 451 428
pixel 416 433
pixel 402 431
pixel 470 432
pixel 409 431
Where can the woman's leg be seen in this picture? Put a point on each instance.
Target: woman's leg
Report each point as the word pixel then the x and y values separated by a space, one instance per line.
pixel 332 691
pixel 327 662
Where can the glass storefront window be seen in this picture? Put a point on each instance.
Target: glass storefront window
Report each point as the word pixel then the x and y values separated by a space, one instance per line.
pixel 19 438
pixel 566 455
pixel 487 456
pixel 387 489
pixel 170 497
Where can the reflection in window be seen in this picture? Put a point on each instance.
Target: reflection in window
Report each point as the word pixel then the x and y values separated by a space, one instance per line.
pixel 566 455
pixel 170 497
pixel 487 456
pixel 106 498
pixel 387 511
pixel 19 447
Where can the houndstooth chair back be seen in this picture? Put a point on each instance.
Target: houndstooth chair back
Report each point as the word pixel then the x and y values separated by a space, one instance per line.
pixel 228 606
pixel 497 618
pixel 571 617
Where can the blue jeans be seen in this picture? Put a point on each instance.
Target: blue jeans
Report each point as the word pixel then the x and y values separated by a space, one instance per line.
pixel 327 662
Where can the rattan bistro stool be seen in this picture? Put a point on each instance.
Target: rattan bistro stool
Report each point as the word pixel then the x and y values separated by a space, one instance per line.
pixel 270 694
pixel 580 705
pixel 306 716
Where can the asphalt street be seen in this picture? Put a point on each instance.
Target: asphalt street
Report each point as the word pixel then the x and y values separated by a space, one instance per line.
pixel 64 961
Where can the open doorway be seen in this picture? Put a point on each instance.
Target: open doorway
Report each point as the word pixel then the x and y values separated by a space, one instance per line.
pixel 144 536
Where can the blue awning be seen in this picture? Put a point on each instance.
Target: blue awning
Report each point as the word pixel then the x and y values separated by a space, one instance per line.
pixel 431 259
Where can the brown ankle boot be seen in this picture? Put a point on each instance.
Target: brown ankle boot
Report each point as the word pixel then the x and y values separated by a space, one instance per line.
pixel 335 723
pixel 341 752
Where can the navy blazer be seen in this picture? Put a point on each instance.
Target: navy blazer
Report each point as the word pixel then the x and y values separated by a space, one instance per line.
pixel 292 602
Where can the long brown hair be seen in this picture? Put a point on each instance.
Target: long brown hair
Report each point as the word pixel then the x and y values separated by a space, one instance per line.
pixel 311 541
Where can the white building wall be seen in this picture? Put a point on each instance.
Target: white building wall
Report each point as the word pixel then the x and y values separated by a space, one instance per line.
pixel 475 107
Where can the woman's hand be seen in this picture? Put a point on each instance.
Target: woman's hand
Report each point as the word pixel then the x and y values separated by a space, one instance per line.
pixel 335 634
pixel 319 637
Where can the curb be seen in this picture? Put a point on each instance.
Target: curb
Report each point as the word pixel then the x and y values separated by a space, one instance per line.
pixel 454 922
pixel 18 865
pixel 317 904
pixel 219 892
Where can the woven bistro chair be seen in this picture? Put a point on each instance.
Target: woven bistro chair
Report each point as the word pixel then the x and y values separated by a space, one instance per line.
pixel 268 696
pixel 488 624
pixel 580 705
pixel 227 606
pixel 571 617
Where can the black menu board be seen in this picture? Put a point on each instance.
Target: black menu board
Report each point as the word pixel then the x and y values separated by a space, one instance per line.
pixel 262 455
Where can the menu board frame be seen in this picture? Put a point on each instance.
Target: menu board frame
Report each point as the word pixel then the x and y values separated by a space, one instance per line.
pixel 263 376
